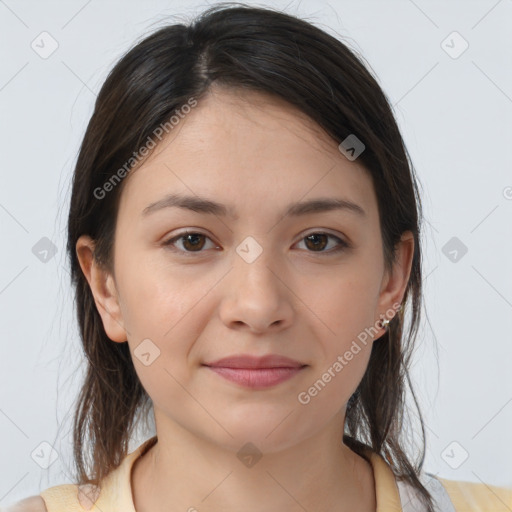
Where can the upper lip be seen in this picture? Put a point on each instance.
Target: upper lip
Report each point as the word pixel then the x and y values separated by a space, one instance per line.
pixel 248 361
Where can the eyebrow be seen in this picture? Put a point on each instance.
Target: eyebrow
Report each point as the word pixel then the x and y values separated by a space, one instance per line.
pixel 203 205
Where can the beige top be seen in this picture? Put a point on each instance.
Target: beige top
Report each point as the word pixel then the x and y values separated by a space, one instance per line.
pixel 115 494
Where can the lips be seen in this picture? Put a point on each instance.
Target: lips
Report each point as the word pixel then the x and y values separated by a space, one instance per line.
pixel 253 362
pixel 256 372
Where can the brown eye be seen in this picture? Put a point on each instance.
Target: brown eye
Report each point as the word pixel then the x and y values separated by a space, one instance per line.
pixel 190 242
pixel 193 242
pixel 317 242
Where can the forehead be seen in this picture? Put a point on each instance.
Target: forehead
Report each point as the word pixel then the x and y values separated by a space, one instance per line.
pixel 246 147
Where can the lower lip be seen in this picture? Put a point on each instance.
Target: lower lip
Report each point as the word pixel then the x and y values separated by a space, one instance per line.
pixel 256 378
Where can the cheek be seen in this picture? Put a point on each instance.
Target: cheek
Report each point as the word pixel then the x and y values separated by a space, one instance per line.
pixel 346 350
pixel 168 308
pixel 156 297
pixel 331 385
pixel 345 304
pixel 343 309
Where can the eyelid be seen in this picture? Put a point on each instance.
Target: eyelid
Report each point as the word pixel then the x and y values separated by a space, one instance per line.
pixel 322 231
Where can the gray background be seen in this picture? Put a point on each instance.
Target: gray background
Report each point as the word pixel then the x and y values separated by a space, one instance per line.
pixel 454 110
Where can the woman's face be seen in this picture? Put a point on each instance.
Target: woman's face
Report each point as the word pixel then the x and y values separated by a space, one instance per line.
pixel 251 278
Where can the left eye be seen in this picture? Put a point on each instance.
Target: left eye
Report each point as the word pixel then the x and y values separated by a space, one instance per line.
pixel 318 242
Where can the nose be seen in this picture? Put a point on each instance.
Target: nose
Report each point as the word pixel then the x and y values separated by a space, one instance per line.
pixel 256 296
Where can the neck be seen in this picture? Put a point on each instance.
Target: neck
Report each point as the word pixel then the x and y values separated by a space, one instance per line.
pixel 195 474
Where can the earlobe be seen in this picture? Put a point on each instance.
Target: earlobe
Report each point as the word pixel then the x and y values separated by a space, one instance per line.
pixel 103 288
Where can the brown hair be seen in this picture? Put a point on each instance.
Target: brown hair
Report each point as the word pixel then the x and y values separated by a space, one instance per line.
pixel 263 50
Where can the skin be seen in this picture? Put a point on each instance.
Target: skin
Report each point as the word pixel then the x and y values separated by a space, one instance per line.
pixel 255 154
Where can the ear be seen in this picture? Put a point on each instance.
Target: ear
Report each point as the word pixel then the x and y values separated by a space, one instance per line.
pixel 394 282
pixel 103 288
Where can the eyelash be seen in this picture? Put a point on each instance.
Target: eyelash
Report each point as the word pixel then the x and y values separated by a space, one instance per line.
pixel 342 245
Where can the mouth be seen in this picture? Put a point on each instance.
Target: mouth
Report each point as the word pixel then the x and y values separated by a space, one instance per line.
pixel 256 372
pixel 256 378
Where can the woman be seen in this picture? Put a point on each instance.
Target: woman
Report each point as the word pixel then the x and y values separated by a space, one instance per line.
pixel 244 242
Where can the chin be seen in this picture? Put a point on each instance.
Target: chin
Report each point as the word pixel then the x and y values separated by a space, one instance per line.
pixel 269 432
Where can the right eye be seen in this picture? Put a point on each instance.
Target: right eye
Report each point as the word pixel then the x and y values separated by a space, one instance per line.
pixel 191 242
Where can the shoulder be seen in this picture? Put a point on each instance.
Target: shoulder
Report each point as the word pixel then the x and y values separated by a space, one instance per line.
pixel 31 504
pixel 478 496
